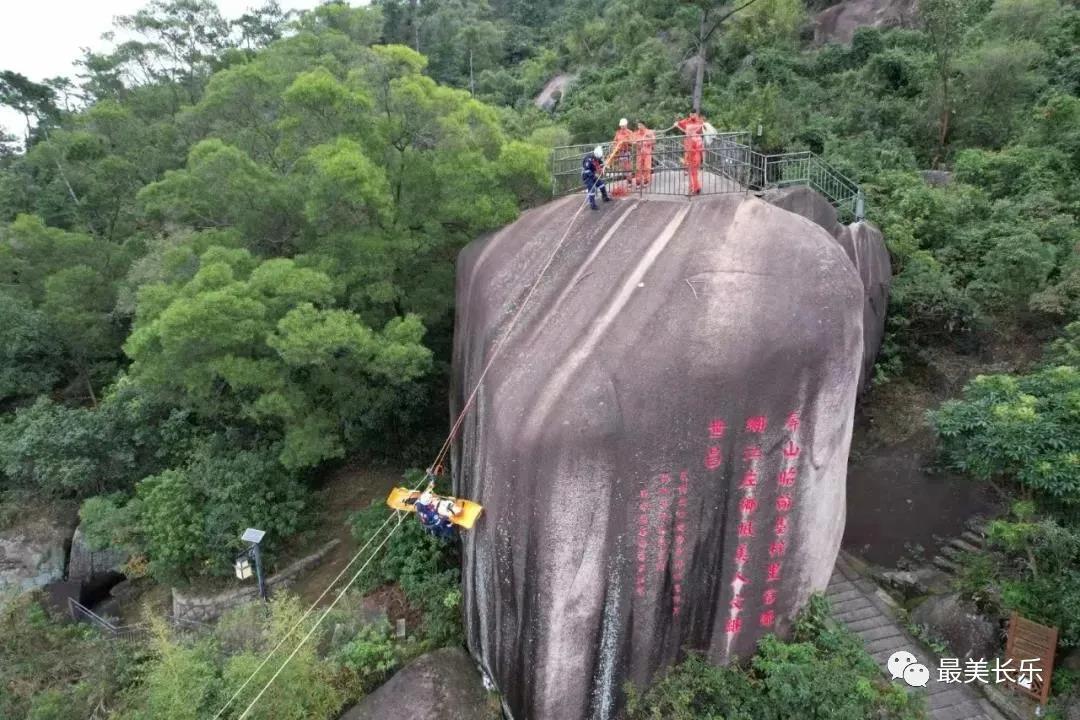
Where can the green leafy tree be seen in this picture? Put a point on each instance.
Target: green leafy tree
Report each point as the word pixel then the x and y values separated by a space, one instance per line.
pixel 188 520
pixel 1017 428
pixel 255 343
pixel 823 671
pixel 947 23
pixel 31 355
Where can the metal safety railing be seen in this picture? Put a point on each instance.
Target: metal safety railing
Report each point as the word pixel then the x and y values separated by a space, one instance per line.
pixel 726 164
pixel 83 614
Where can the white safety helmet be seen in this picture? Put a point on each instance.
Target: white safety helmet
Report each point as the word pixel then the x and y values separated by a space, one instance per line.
pixel 623 122
pixel 425 498
pixel 598 151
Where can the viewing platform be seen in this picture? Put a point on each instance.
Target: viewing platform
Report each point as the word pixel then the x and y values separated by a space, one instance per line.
pixel 728 165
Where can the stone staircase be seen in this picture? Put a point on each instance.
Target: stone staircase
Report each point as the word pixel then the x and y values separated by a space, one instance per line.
pixel 865 609
pixel 972 540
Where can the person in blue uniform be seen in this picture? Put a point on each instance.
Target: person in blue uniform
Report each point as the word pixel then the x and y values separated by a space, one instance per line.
pixel 592 171
pixel 435 514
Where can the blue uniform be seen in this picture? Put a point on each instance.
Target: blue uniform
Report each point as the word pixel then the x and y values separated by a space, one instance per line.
pixel 592 169
pixel 433 522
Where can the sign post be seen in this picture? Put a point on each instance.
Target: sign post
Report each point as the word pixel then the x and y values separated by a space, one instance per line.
pixel 254 537
pixel 1031 649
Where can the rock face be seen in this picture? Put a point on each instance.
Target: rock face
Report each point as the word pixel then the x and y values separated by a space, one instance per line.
pixel 553 91
pixel 661 445
pixel 442 685
pixel 85 564
pixel 838 23
pixel 865 247
pixel 32 555
pixel 968 634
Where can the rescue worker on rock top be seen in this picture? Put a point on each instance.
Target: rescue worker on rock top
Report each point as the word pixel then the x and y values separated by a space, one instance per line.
pixel 624 142
pixel 644 142
pixel 592 170
pixel 694 146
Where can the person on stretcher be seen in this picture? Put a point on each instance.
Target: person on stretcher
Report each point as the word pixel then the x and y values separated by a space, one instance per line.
pixel 436 513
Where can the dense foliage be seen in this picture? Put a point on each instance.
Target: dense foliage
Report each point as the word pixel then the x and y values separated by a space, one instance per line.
pixel 68 672
pixel 822 674
pixel 220 277
pixel 227 259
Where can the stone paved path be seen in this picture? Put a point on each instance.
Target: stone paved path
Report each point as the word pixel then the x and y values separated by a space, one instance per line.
pixel 860 605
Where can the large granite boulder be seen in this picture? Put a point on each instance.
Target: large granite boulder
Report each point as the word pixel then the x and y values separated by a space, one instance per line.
pixel 442 685
pixel 837 24
pixel 32 555
pixel 553 92
pixel 865 247
pixel 661 444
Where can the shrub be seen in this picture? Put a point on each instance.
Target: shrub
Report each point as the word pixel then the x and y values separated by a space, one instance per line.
pixel 824 671
pixel 426 569
pixel 369 657
pixel 1021 428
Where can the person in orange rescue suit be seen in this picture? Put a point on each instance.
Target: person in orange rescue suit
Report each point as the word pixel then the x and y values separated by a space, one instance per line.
pixel 693 126
pixel 624 142
pixel 645 141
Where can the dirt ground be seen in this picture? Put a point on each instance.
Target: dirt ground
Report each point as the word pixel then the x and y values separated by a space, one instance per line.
pixel 897 497
pixel 346 491
pixel 897 502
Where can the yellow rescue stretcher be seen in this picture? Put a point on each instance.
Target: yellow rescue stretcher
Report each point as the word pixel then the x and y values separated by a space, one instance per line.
pixel 470 511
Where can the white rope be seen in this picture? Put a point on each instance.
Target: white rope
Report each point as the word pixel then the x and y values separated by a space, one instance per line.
pixel 302 618
pixel 303 641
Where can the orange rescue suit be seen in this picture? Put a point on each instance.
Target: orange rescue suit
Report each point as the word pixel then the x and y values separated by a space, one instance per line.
pixel 694 145
pixel 645 140
pixel 624 138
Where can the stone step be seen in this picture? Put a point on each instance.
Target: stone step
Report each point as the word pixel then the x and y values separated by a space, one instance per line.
pixel 856 603
pixel 974 538
pixel 857 626
pixel 957 696
pixel 957 556
pixel 840 597
pixel 946 565
pixel 977 525
pixel 839 589
pixel 862 613
pixel 885 630
pixel 963 545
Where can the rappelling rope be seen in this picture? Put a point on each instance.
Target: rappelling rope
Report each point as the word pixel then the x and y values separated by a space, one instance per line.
pixel 401 516
pixel 303 618
pixel 255 700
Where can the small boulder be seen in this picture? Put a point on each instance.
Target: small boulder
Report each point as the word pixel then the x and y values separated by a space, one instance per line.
pixel 967 633
pixel 84 564
pixel 905 582
pixel 442 685
pixel 837 24
pixel 1071 660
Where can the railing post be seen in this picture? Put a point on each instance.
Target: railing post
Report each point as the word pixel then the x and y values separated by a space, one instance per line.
pixel 860 208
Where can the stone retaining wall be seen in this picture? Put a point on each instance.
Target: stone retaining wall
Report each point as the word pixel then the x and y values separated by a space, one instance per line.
pixel 203 608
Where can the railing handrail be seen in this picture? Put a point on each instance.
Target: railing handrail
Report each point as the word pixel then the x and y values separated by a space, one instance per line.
pixel 742 165
pixel 79 611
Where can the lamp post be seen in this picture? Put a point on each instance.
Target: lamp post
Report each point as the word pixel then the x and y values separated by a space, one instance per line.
pixel 253 537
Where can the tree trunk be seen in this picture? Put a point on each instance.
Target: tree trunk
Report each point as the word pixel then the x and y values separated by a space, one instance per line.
pixel 699 71
pixel 472 81
pixel 943 123
pixel 89 386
